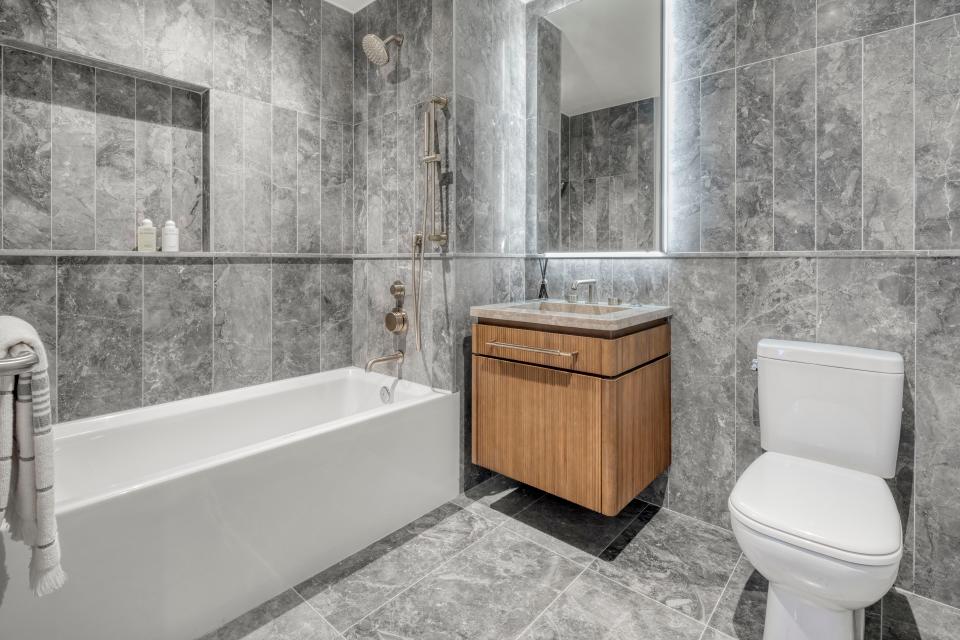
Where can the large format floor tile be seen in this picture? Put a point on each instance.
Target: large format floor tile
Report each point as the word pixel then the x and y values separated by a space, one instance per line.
pixel 682 562
pixel 499 498
pixel 572 531
pixel 351 589
pixel 286 617
pixel 493 590
pixel 596 607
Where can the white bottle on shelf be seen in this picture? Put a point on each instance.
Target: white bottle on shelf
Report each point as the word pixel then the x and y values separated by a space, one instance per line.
pixel 146 236
pixel 170 237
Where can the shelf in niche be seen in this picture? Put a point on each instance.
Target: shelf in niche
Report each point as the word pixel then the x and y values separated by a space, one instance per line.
pixel 100 63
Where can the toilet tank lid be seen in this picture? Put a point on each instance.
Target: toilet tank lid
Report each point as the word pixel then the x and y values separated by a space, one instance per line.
pixel 831 355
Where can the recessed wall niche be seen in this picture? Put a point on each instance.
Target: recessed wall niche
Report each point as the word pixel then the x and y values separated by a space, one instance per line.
pixel 89 149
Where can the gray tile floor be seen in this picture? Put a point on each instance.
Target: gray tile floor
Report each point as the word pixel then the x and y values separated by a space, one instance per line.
pixel 507 561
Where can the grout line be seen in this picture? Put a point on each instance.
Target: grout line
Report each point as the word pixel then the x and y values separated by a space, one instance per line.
pixel 723 591
pixel 429 573
pixel 863 145
pixel 547 608
pixel 316 611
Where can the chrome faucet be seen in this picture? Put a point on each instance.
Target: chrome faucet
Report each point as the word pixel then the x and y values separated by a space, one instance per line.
pixel 591 283
pixel 398 356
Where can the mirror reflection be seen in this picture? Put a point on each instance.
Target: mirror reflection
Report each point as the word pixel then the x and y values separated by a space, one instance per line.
pixel 598 126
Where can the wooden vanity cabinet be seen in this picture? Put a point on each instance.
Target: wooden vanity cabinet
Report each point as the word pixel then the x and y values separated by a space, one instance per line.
pixel 586 418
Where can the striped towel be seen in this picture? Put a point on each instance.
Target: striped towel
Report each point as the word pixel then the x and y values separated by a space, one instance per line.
pixel 26 457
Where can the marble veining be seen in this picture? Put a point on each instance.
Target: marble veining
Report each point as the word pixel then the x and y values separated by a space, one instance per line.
pixel 33 21
pixel 241 323
pixel 845 19
pixel 26 150
pixel 937 132
pixel 888 140
pixel 794 151
pixel 771 28
pixel 177 330
pixel 839 144
pixel 755 137
pixel 115 166
pixel 684 169
pixel 297 318
pixel 81 28
pixel 242 44
pixel 178 39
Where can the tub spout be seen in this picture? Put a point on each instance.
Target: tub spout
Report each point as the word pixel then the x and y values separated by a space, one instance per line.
pixel 398 356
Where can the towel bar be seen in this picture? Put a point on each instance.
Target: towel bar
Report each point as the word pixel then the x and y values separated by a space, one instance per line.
pixel 17 364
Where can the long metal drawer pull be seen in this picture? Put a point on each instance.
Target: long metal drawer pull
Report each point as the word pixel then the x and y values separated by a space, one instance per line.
pixel 546 352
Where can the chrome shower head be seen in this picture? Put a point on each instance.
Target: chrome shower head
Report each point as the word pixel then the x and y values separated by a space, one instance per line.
pixel 376 49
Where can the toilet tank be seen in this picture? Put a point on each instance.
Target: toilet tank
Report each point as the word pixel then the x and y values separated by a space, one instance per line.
pixel 839 405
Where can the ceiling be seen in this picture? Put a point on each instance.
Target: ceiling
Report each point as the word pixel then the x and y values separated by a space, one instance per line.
pixel 610 53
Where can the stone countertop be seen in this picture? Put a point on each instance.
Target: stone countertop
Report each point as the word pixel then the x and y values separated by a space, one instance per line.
pixel 583 316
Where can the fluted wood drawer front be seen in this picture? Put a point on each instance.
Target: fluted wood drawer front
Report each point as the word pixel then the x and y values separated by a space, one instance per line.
pixel 585 354
pixel 539 426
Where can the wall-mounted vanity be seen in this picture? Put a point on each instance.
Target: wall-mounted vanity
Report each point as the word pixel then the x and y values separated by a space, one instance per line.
pixel 573 398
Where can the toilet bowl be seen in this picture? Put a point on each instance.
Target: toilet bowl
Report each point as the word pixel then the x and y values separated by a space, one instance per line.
pixel 813 514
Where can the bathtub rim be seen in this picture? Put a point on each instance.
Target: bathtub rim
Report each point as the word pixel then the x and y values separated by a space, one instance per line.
pixel 121 419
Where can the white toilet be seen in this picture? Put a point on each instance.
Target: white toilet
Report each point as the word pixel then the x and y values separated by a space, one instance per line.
pixel 813 514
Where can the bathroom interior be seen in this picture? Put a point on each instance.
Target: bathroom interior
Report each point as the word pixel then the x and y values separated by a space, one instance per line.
pixel 483 319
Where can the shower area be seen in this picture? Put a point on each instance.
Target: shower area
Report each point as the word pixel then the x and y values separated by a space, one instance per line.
pixel 312 154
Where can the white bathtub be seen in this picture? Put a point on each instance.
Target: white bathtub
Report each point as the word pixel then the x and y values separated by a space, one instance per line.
pixel 177 518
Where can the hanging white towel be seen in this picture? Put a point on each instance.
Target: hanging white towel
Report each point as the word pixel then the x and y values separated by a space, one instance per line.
pixel 26 457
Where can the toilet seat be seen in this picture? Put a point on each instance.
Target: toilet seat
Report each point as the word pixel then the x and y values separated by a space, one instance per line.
pixel 840 513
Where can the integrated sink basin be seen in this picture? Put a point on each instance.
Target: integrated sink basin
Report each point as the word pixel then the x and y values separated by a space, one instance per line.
pixel 580 317
pixel 569 307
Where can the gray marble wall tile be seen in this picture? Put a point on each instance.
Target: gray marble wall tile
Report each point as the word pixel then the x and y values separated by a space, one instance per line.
pixel 839 144
pixel 309 180
pixel 442 59
pixel 410 150
pixel 937 133
pixel 73 156
pixel 845 19
pixel 490 53
pixel 296 55
pixel 297 318
pixel 33 21
pixel 26 150
pixel 754 147
pixel 871 303
pixel 359 166
pixel 336 315
pixel 336 72
pixel 930 9
pixel 334 214
pixel 178 39
pixel 99 328
pixel 285 180
pixel 347 194
pixel 888 146
pixel 703 295
pixel 177 329
pixel 718 151
pixel 776 298
pixel 794 151
pixel 116 171
pixel 154 147
pixel 109 30
pixel 241 323
pixel 466 173
pixel 704 37
pixel 771 28
pixel 684 169
pixel 228 183
pixel 548 74
pixel 609 141
pixel 242 43
pixel 389 183
pixel 938 440
pixel 433 365
pixel 257 133
pixel 415 22
pixel 28 290
pixel 648 214
pixel 187 171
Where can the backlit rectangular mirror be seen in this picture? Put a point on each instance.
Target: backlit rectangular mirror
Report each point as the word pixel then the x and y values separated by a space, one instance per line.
pixel 596 148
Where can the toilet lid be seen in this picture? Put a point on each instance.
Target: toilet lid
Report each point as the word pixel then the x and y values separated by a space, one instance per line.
pixel 840 512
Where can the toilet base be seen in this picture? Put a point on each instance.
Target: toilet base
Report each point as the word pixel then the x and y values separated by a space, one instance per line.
pixel 791 617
